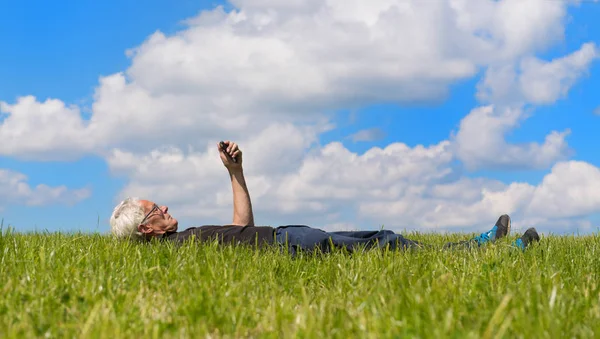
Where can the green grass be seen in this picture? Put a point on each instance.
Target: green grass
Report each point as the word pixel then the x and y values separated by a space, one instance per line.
pixel 75 285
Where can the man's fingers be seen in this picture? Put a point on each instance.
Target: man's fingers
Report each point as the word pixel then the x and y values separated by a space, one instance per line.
pixel 236 153
pixel 232 148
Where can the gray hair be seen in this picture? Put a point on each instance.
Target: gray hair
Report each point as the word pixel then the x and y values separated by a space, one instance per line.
pixel 126 217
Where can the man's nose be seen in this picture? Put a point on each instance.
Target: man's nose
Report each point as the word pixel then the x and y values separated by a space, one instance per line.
pixel 164 209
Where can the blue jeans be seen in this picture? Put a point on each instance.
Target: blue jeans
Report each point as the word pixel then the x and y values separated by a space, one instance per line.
pixel 307 239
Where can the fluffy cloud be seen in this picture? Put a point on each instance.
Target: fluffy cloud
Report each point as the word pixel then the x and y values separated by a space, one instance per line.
pixel 14 189
pixel 544 82
pixel 569 191
pixel 230 73
pixel 480 142
pixel 536 81
pixel 572 189
pixel 30 128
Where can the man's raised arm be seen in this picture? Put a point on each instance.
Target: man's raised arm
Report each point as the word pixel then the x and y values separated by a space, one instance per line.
pixel 242 206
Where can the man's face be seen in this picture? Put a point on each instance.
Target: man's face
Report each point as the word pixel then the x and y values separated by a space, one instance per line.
pixel 159 221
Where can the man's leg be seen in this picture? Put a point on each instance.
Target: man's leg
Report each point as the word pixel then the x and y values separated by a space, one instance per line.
pixel 500 230
pixel 358 234
pixel 308 239
pixel 381 237
pixel 299 238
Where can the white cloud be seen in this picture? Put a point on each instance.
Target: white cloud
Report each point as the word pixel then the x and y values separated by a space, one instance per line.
pixel 31 128
pixel 371 134
pixel 230 73
pixel 14 189
pixel 480 142
pixel 568 192
pixel 572 189
pixel 536 81
pixel 544 82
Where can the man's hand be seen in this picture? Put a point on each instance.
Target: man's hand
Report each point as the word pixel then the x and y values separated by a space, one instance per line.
pixel 231 152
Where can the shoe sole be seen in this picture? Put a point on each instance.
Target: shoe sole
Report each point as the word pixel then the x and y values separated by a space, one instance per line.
pixel 508 225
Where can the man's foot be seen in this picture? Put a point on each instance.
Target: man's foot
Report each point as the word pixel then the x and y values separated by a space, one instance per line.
pixel 500 230
pixel 502 227
pixel 527 238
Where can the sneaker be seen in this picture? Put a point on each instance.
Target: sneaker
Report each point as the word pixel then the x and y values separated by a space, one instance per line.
pixel 502 227
pixel 527 238
pixel 500 230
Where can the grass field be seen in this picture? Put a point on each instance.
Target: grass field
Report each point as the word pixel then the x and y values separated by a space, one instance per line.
pixel 75 285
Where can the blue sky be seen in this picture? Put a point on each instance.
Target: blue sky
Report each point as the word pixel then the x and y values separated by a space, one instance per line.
pixel 60 50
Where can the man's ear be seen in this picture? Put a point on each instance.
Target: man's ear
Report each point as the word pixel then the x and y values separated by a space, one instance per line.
pixel 144 229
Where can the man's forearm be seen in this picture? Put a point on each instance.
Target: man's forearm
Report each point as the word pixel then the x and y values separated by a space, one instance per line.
pixel 242 206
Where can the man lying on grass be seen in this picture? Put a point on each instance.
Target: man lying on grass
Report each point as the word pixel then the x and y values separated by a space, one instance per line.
pixel 144 220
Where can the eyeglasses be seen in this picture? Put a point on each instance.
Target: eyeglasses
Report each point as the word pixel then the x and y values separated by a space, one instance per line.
pixel 154 208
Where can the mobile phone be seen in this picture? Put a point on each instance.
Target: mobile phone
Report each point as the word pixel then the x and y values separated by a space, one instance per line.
pixel 224 149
